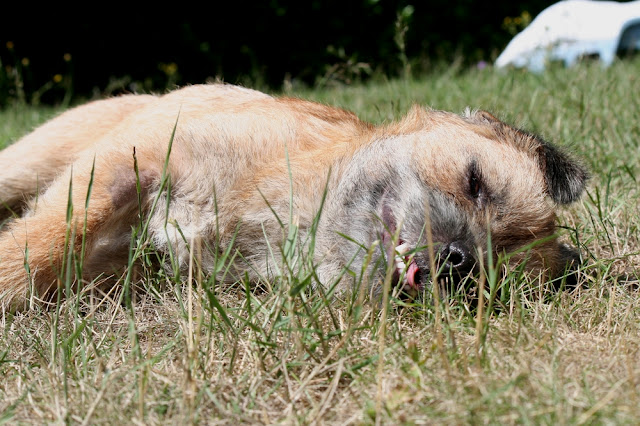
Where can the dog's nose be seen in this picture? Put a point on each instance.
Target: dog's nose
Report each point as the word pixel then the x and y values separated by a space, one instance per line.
pixel 457 257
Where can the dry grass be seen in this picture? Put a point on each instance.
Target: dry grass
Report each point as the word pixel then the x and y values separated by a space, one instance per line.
pixel 180 354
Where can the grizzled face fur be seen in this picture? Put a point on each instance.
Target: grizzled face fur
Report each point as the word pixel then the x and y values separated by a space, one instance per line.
pixel 471 180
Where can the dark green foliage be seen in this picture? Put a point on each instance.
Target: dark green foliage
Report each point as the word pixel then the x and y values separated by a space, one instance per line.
pixel 265 42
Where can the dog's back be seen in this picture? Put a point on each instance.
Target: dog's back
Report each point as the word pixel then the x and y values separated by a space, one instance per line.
pixel 32 163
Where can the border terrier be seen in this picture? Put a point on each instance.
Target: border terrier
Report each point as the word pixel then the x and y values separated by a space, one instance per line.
pixel 227 166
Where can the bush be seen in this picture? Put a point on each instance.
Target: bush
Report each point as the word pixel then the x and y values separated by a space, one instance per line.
pixel 266 43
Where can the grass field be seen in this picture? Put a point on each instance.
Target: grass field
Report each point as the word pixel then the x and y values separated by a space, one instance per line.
pixel 182 354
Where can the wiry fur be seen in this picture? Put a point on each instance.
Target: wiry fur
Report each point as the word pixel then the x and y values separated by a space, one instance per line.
pixel 229 175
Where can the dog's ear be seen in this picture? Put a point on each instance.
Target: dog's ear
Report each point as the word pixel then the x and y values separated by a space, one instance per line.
pixel 565 177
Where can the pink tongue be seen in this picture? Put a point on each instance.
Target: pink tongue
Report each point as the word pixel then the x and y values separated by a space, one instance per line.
pixel 411 275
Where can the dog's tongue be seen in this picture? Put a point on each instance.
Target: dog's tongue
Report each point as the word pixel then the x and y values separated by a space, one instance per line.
pixel 411 276
pixel 411 271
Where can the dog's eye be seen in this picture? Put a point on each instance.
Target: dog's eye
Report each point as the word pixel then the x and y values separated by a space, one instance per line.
pixel 476 190
pixel 475 186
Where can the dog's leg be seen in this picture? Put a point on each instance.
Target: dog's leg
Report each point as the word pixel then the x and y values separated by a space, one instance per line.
pixel 31 164
pixel 33 248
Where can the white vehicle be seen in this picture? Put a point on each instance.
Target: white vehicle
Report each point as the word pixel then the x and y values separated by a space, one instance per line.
pixel 571 29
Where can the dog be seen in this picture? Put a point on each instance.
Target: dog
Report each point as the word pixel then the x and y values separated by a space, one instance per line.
pixel 236 169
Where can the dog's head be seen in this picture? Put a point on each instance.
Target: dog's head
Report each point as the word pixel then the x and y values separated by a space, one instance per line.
pixel 475 188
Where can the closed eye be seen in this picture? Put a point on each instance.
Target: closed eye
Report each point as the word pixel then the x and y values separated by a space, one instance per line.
pixel 474 186
pixel 476 189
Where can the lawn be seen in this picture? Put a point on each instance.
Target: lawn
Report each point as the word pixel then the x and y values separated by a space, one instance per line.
pixel 183 353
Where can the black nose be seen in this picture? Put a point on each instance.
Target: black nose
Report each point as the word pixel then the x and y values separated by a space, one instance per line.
pixel 457 257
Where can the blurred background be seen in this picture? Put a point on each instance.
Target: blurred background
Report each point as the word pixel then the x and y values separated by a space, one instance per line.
pixel 58 54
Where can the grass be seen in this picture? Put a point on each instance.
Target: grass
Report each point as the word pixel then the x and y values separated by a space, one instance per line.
pixel 204 354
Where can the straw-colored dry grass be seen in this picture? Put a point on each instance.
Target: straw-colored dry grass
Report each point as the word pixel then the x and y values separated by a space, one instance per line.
pixel 171 353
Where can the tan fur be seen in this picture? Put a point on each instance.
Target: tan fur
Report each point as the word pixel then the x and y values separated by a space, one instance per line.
pixel 233 142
